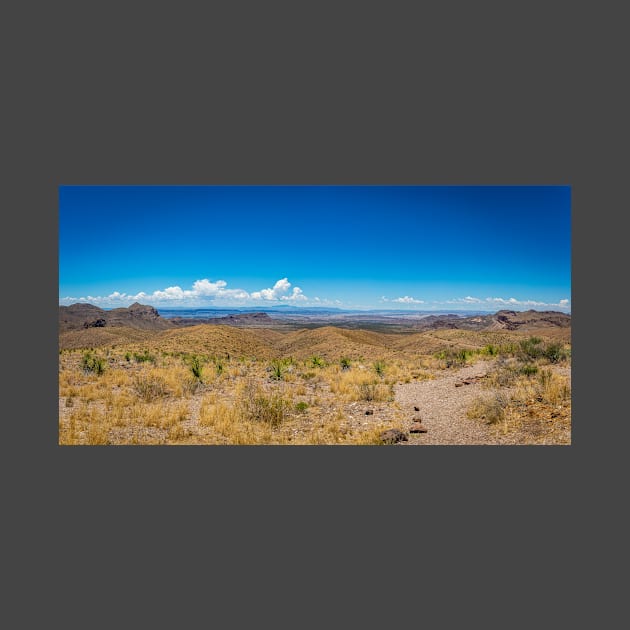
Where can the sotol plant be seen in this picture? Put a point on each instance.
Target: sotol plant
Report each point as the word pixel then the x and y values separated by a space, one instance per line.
pixel 92 363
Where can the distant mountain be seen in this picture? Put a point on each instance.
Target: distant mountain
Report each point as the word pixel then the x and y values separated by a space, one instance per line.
pixel 140 316
pixel 238 319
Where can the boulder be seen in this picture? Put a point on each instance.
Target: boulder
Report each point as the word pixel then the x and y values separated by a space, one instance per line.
pixel 416 427
pixel 392 436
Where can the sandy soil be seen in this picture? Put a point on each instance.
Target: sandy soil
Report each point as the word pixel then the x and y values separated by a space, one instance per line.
pixel 443 407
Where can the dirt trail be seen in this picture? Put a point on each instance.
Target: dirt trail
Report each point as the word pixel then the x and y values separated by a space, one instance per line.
pixel 443 408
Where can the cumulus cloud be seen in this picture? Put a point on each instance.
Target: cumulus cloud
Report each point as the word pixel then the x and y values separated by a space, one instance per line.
pixel 296 295
pixel 509 302
pixel 275 293
pixel 201 289
pixel 406 299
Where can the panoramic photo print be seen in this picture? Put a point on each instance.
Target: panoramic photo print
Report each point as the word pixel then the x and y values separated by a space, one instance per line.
pixel 315 315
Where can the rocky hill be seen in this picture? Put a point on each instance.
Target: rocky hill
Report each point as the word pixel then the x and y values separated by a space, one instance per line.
pixel 238 319
pixel 501 320
pixel 83 316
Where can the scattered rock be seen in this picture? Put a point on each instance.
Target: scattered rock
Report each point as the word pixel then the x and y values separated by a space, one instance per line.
pixel 416 419
pixel 369 412
pixel 458 384
pixel 416 427
pixel 416 408
pixel 392 436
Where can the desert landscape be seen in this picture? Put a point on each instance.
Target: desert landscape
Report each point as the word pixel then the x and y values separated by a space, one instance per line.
pixel 129 376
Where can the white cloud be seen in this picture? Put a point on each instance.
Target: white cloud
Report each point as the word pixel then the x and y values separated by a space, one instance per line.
pixel 200 289
pixel 407 300
pixel 499 302
pixel 296 295
pixel 281 287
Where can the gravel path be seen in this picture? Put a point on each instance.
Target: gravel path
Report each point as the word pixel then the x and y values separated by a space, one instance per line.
pixel 443 408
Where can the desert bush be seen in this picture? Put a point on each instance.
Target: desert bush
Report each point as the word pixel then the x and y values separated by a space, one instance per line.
pixel 345 363
pixel 316 361
pixel 190 385
pixel 552 388
pixel 301 407
pixel 92 363
pixel 144 357
pixel 455 358
pixel 528 370
pixel 531 348
pixel 491 409
pixel 374 392
pixel 490 350
pixel 554 353
pixel 150 386
pixel 260 406
pixel 219 366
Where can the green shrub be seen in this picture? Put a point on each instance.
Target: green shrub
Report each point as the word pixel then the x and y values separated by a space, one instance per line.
pixel 301 407
pixel 277 368
pixel 196 366
pixel 531 348
pixel 379 368
pixel 345 363
pixel 455 358
pixel 145 356
pixel 316 361
pixel 268 408
pixel 553 352
pixel 92 363
pixel 529 370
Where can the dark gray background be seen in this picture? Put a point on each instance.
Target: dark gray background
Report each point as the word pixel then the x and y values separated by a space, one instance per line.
pixel 285 93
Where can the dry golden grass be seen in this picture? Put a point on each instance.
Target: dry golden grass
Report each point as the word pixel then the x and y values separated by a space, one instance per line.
pixel 535 404
pixel 148 392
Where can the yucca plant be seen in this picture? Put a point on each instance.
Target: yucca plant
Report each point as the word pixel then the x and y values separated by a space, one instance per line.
pixel 379 368
pixel 196 366
pixel 91 363
pixel 277 369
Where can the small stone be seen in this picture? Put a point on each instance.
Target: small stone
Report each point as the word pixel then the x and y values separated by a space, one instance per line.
pixel 416 419
pixel 416 427
pixel 416 408
pixel 369 412
pixel 392 436
pixel 458 384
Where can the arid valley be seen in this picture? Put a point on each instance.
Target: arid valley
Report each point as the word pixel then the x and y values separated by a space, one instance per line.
pixel 130 376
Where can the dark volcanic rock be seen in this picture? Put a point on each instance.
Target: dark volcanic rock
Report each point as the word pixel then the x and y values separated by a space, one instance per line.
pixel 369 412
pixel 97 323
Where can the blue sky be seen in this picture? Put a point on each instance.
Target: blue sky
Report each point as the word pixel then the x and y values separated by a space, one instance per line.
pixel 412 247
